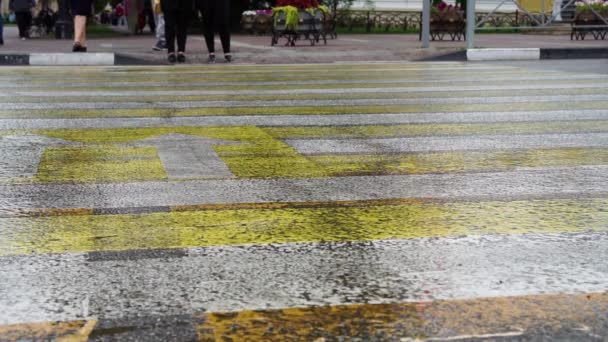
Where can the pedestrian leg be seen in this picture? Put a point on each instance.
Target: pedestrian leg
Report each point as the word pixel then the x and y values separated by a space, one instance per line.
pixel 20 17
pixel 209 25
pixel 223 21
pixel 160 28
pixel 170 23
pixel 1 30
pixel 80 30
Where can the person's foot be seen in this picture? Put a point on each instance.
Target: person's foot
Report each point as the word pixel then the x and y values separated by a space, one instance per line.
pixel 211 59
pixel 160 46
pixel 23 38
pixel 171 58
pixel 228 58
pixel 1 41
pixel 181 57
pixel 79 48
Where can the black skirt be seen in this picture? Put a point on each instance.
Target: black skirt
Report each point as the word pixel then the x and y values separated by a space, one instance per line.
pixel 81 7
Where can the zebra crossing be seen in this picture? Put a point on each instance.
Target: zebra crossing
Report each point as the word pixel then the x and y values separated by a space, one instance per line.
pixel 378 201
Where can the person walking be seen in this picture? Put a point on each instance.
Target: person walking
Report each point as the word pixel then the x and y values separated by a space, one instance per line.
pixel 177 15
pixel 81 9
pixel 23 13
pixel 216 16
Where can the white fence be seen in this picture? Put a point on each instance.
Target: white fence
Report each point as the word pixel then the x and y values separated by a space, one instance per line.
pixel 416 5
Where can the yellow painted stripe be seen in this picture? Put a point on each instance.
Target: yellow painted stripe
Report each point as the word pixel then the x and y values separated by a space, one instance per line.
pixel 100 164
pixel 444 320
pixel 354 75
pixel 262 155
pixel 444 162
pixel 307 110
pixel 342 85
pixel 335 222
pixel 70 331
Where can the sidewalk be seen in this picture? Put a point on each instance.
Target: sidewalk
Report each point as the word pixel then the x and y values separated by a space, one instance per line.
pixel 347 48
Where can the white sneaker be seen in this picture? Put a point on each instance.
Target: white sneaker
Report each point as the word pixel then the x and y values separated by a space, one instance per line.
pixel 22 38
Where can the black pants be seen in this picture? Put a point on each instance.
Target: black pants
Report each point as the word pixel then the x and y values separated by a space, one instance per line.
pixel 24 21
pixel 148 13
pixel 216 16
pixel 176 27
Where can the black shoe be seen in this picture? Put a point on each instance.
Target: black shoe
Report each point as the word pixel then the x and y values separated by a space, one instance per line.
pixel 228 58
pixel 181 58
pixel 211 59
pixel 171 58
pixel 1 42
pixel 79 48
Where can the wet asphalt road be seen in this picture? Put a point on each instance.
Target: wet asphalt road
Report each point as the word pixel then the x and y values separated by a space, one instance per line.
pixel 364 202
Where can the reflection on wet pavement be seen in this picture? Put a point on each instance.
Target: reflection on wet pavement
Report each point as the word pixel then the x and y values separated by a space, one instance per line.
pixel 379 202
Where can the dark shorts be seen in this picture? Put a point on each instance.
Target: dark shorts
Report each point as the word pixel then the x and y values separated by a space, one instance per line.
pixel 81 7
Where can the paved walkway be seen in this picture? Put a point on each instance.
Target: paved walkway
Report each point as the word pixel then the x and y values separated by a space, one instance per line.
pixel 349 47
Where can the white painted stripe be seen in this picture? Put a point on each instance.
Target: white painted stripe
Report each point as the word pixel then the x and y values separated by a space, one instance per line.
pixel 454 81
pixel 448 143
pixel 304 90
pixel 51 287
pixel 308 120
pixel 546 182
pixel 72 59
pixel 304 103
pixel 503 54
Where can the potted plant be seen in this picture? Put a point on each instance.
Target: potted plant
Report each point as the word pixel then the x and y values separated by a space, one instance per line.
pixel 589 18
pixel 447 18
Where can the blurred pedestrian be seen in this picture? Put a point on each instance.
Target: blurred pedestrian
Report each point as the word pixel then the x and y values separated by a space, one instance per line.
pixel 81 9
pixel 148 14
pixel 1 26
pixel 161 42
pixel 121 14
pixel 177 15
pixel 23 13
pixel 216 16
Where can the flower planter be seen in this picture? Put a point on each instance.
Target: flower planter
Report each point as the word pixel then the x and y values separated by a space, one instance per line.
pixel 587 22
pixel 450 22
pixel 257 22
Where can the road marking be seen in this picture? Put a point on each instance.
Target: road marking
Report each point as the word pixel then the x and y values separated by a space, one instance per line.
pixel 275 92
pixel 224 278
pixel 309 120
pixel 216 225
pixel 7 106
pixel 187 156
pixel 20 154
pixel 305 110
pixel 69 331
pixel 448 143
pixel 587 180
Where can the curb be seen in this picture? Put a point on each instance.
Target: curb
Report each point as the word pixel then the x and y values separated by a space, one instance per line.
pixel 71 59
pixel 519 54
pixel 117 59
pixel 478 55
